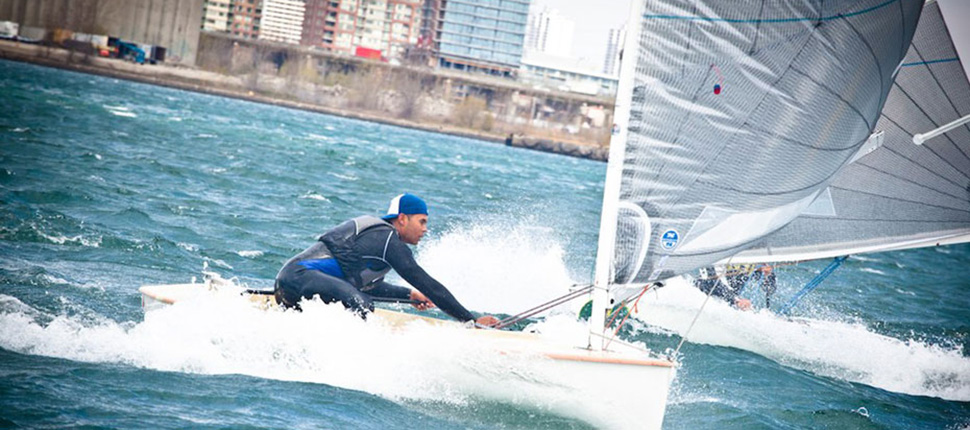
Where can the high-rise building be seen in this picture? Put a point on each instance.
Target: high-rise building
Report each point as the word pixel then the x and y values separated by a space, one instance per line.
pixel 370 28
pixel 215 15
pixel 482 35
pixel 246 16
pixel 282 21
pixel 614 46
pixel 549 32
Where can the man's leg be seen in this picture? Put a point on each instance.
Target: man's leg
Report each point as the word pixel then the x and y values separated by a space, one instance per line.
pixel 332 289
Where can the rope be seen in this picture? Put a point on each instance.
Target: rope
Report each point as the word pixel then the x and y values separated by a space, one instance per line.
pixel 628 312
pixel 543 307
pixel 684 338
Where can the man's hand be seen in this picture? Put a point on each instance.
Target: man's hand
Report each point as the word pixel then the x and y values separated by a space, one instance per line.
pixel 423 303
pixel 486 321
pixel 743 304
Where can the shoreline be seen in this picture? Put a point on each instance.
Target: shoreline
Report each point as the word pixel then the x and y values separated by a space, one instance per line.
pixel 204 82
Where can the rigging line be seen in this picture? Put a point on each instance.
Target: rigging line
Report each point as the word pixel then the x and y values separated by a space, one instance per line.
pixel 947 96
pixel 928 148
pixel 548 305
pixel 684 337
pixel 543 307
pixel 813 284
pixel 960 198
pixel 628 312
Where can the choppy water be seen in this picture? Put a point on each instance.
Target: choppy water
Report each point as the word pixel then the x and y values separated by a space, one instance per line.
pixel 107 185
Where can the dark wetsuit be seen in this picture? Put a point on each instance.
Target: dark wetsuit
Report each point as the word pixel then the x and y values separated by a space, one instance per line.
pixel 348 264
pixel 711 284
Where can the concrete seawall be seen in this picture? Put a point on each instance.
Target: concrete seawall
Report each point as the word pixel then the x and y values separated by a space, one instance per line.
pixel 228 86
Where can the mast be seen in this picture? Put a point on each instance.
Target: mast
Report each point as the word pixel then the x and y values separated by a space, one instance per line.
pixel 614 175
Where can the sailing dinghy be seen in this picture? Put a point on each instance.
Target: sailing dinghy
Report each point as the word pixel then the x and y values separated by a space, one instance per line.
pixel 731 120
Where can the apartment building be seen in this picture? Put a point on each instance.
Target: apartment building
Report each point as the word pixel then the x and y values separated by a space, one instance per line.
pixel 282 21
pixel 246 17
pixel 369 28
pixel 215 15
pixel 484 36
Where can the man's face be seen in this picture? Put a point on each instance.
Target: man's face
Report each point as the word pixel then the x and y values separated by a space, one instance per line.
pixel 411 228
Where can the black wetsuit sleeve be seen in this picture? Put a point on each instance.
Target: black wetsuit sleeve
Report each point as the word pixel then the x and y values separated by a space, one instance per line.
pixel 388 290
pixel 716 288
pixel 400 258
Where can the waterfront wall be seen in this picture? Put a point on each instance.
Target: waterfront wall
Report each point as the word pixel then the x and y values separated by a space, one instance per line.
pixel 484 104
pixel 174 24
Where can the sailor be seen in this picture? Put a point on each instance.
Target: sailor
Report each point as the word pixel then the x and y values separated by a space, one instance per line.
pixel 348 264
pixel 729 286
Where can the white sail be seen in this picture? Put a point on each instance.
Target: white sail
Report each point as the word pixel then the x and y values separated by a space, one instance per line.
pixel 901 194
pixel 740 116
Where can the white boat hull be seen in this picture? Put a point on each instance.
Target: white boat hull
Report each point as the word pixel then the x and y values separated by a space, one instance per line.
pixel 630 381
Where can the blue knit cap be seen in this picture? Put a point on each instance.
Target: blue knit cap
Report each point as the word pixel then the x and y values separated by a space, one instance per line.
pixel 407 204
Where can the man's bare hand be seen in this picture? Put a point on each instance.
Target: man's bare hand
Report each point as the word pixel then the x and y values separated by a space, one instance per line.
pixel 423 303
pixel 743 304
pixel 487 321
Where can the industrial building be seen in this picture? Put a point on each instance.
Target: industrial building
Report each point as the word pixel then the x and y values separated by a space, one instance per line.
pixel 173 24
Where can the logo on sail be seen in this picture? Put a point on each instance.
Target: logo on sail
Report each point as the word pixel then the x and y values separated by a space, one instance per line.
pixel 669 239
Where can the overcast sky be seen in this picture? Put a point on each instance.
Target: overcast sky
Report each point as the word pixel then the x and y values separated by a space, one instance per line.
pixel 593 23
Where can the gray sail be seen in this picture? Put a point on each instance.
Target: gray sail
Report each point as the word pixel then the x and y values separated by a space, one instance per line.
pixel 900 195
pixel 742 114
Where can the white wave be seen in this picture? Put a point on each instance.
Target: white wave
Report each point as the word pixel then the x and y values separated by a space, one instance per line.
pixel 498 267
pixel 873 271
pixel 403 160
pixel 21 129
pixel 124 114
pixel 220 263
pixel 319 137
pixel 206 136
pixel 222 333
pixel 250 254
pixel 344 177
pixel 175 119
pixel 842 350
pixel 54 279
pixel 191 247
pixel 314 196
pixel 116 108
pixel 79 239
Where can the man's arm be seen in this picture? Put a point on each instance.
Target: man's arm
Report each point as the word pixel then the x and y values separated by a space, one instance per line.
pixel 388 290
pixel 402 260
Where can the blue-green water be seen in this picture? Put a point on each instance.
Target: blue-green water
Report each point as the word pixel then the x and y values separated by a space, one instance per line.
pixel 107 185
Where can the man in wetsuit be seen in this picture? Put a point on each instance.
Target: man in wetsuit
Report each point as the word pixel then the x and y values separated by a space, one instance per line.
pixel 730 285
pixel 348 264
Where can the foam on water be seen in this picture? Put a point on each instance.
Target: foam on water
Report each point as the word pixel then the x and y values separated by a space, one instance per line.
pixel 223 333
pixel 498 267
pixel 843 350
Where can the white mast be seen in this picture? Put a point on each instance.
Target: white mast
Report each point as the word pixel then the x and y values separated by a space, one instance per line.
pixel 614 174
